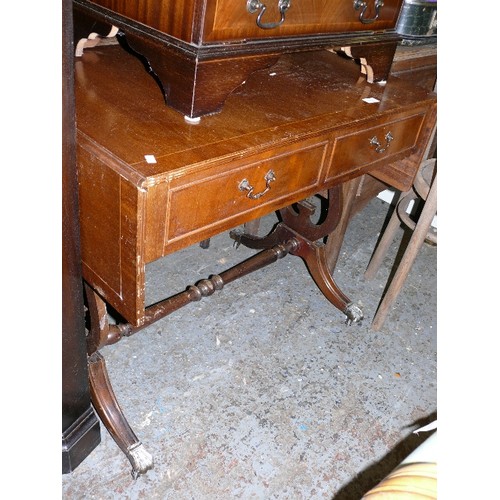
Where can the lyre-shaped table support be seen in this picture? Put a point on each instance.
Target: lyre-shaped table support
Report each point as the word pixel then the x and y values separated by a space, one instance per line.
pixel 297 226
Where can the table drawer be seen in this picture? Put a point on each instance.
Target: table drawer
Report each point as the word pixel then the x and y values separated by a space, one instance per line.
pixel 382 143
pixel 242 192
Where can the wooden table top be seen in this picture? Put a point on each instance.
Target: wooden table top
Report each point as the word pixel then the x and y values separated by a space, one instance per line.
pixel 120 107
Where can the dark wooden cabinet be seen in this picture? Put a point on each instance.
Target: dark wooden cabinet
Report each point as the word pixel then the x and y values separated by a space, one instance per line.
pixel 80 427
pixel 201 50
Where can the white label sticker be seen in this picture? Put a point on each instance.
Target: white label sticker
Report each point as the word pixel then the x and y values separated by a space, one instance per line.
pixel 150 158
pixel 370 100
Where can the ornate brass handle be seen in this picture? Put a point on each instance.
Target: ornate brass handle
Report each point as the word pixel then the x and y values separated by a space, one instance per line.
pixel 254 5
pixel 362 4
pixel 378 147
pixel 244 185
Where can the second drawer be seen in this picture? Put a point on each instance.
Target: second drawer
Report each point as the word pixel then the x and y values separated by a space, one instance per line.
pixel 366 146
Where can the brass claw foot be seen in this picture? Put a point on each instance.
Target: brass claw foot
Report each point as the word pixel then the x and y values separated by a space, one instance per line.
pixel 354 314
pixel 141 460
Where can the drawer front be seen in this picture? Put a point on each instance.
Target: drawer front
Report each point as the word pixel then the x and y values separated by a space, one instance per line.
pixel 231 19
pixel 383 143
pixel 225 197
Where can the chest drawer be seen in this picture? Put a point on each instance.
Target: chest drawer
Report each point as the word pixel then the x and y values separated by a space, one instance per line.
pixel 382 143
pixel 237 20
pixel 245 190
pixel 209 21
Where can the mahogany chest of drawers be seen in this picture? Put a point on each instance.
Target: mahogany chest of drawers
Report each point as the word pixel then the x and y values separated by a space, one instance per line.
pixel 201 50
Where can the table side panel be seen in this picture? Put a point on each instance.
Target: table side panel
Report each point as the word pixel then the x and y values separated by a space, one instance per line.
pixel 99 192
pixel 112 231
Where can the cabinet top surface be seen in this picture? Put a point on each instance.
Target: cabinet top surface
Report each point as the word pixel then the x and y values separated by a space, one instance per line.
pixel 120 107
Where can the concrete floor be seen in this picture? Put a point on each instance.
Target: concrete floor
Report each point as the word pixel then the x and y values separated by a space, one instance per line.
pixel 261 391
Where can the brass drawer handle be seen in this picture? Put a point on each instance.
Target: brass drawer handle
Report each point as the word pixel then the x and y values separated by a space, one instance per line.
pixel 361 4
pixel 244 185
pixel 378 147
pixel 254 5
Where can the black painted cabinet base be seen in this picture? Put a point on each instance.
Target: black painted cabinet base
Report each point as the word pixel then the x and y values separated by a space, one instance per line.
pixel 79 440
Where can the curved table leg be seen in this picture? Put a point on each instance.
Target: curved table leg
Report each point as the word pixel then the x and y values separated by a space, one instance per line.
pixel 112 416
pixel 314 255
pixel 101 390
